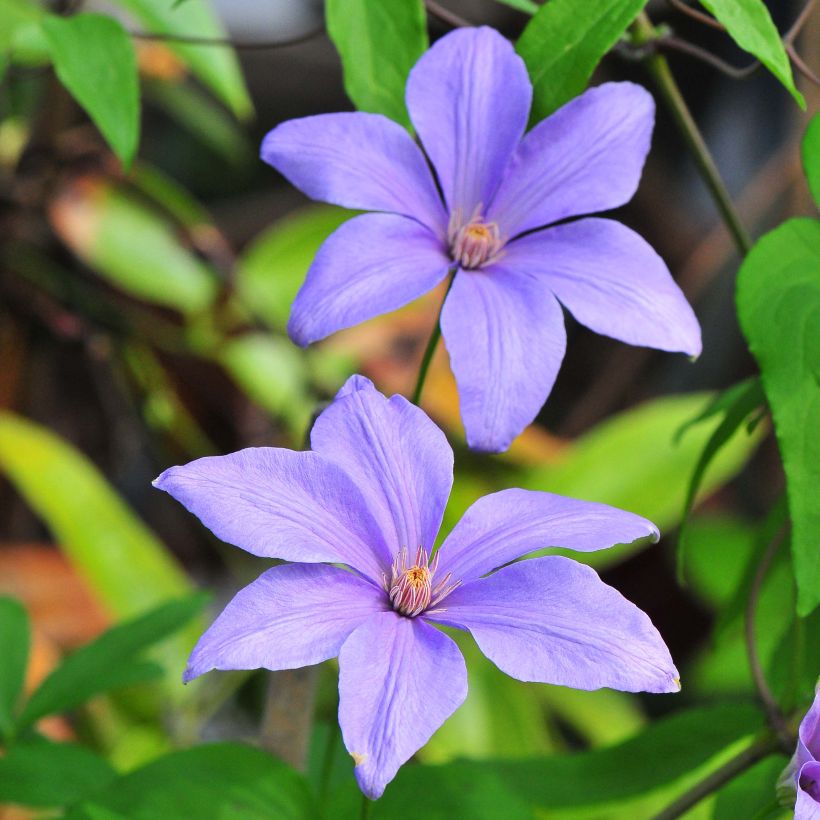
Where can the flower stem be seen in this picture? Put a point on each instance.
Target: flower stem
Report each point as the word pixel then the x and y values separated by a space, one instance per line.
pixel 774 714
pixel 658 67
pixel 367 804
pixel 430 349
pixel 760 749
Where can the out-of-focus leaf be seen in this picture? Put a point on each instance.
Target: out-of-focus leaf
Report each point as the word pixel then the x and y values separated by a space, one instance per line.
pixel 199 115
pixel 216 66
pixel 270 369
pixel 650 471
pixel 273 268
pixel 131 246
pixel 14 646
pixel 664 752
pixel 750 25
pixel 778 302
pixel 95 60
pixel 379 42
pixel 746 398
pixel 563 44
pixel 170 195
pixel 210 782
pixel 124 562
pixel 41 773
pixel 14 15
pixel 109 662
pixel 810 150
pixel 527 6
pixel 752 794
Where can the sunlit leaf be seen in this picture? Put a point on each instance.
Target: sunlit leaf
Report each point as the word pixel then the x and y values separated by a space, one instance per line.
pixel 109 662
pixel 272 269
pixel 750 26
pixel 132 246
pixel 210 782
pixel 564 42
pixel 95 60
pixel 379 42
pixel 41 773
pixel 811 157
pixel 216 66
pixel 125 564
pixel 778 300
pixel 14 647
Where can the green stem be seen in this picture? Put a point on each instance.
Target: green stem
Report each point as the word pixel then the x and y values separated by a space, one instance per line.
pixel 430 350
pixel 327 763
pixel 367 804
pixel 760 749
pixel 658 67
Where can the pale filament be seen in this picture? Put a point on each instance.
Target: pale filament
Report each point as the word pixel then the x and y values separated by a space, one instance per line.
pixel 411 588
pixel 473 243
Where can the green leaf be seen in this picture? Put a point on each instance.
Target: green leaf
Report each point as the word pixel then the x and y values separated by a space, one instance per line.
pixel 527 6
pixel 215 66
pixel 273 268
pixel 659 755
pixel 41 773
pixel 14 646
pixel 95 60
pixel 119 556
pixel 750 25
pixel 210 782
pixel 133 247
pixel 652 470
pixel 751 795
pixel 778 301
pixel 563 44
pixel 109 662
pixel 378 41
pixel 811 157
pixel 271 371
pixel 741 401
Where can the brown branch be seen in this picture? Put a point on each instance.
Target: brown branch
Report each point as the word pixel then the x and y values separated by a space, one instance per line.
pixel 797 60
pixel 194 40
pixel 797 25
pixel 445 15
pixel 700 16
pixel 685 47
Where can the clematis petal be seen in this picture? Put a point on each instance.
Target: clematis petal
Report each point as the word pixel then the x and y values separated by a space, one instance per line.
pixel 292 615
pixel 807 806
pixel 372 264
pixel 357 160
pixel 586 157
pixel 469 98
pixel 395 455
pixel 809 732
pixel 612 281
pixel 505 335
pixel 399 680
pixel 503 526
pixel 553 620
pixel 282 504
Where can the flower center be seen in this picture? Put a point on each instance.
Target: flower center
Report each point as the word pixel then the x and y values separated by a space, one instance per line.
pixel 411 589
pixel 474 243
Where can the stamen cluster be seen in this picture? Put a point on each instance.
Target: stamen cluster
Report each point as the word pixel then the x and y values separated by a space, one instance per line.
pixel 411 589
pixel 475 242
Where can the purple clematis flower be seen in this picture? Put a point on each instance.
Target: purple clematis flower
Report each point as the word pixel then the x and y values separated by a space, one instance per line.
pixel 371 496
pixel 469 99
pixel 803 772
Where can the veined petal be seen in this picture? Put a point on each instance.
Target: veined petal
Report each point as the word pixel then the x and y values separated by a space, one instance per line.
pixel 400 461
pixel 809 732
pixel 469 98
pixel 399 680
pixel 807 806
pixel 586 157
pixel 279 503
pixel 505 335
pixel 371 265
pixel 553 620
pixel 357 160
pixel 610 280
pixel 291 616
pixel 503 526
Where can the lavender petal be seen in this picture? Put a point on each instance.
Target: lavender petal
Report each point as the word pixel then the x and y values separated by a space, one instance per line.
pixel 399 680
pixel 553 620
pixel 291 616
